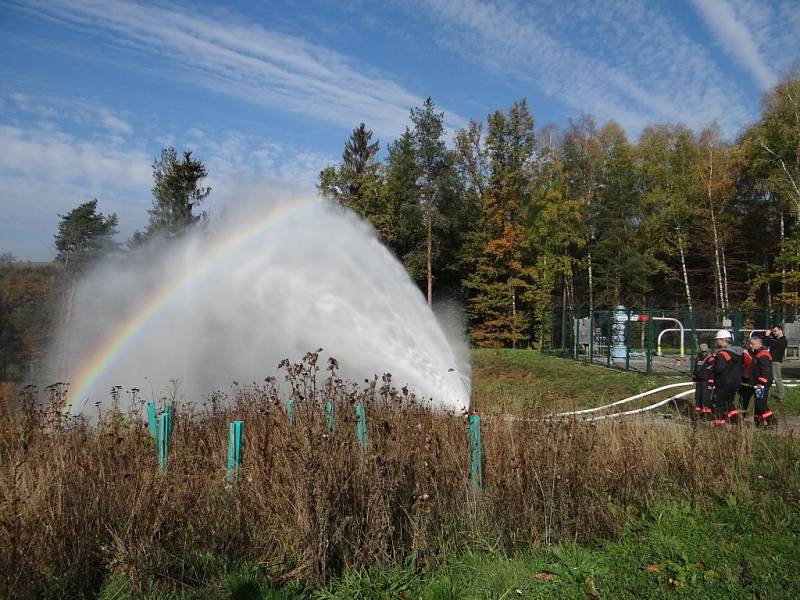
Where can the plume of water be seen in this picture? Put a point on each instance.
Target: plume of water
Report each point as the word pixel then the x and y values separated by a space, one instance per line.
pixel 266 281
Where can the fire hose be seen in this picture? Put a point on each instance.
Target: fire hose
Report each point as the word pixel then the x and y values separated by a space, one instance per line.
pixel 573 413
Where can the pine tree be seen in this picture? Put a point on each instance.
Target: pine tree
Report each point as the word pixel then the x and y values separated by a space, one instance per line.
pixel 670 182
pixel 402 174
pixel 359 170
pixel 615 217
pixel 177 192
pixel 84 235
pixel 498 282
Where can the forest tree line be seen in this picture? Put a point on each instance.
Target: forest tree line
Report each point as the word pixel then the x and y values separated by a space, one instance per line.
pixel 512 221
pixel 515 221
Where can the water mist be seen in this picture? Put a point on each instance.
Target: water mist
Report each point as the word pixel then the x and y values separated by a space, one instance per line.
pixel 267 281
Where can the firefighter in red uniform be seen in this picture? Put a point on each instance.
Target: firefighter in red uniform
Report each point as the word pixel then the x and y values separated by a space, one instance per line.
pixel 703 366
pixel 761 377
pixel 746 388
pixel 726 378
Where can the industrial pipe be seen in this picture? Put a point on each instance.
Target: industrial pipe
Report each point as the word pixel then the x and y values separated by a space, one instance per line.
pixel 682 330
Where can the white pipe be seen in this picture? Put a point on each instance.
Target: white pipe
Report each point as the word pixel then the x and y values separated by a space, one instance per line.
pixel 660 334
pixel 623 401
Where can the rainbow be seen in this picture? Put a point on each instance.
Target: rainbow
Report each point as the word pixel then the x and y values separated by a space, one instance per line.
pixel 127 332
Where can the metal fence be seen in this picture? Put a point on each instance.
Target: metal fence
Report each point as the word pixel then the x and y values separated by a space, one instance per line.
pixel 656 340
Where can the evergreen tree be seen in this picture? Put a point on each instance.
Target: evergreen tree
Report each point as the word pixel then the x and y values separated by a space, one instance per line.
pixel 498 283
pixel 670 183
pixel 358 171
pixel 83 235
pixel 359 153
pixel 402 175
pixel 615 217
pixel 177 192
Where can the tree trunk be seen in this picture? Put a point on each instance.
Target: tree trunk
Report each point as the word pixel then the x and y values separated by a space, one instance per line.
pixel 685 275
pixel 727 299
pixel 769 291
pixel 591 293
pixel 713 214
pixel 783 269
pixel 513 314
pixel 717 251
pixel 430 249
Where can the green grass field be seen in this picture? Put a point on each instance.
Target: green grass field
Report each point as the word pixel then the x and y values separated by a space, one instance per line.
pixel 509 380
pixel 512 380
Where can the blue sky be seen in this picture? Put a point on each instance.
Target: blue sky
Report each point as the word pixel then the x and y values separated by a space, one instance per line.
pixel 266 93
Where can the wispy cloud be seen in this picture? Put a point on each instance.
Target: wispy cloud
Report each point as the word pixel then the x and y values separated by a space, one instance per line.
pixel 731 30
pixel 228 56
pixel 94 117
pixel 46 171
pixel 621 60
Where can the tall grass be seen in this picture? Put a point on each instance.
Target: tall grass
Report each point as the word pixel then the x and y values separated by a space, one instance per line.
pixel 80 501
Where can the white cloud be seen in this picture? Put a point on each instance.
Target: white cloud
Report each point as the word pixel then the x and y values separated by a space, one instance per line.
pixel 619 59
pixel 45 171
pixel 249 62
pixel 731 30
pixel 93 116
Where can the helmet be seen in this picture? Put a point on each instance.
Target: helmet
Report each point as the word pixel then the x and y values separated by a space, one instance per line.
pixel 723 334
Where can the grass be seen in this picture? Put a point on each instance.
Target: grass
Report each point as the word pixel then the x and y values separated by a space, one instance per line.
pixel 740 548
pixel 526 380
pixel 568 509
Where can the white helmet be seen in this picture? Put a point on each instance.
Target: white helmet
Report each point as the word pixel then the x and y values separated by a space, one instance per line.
pixel 723 334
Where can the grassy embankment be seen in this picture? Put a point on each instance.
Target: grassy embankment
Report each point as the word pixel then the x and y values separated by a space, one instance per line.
pixel 522 380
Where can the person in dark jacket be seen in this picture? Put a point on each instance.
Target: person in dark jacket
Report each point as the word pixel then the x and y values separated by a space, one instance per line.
pixel 726 378
pixel 777 342
pixel 702 372
pixel 761 376
pixel 746 387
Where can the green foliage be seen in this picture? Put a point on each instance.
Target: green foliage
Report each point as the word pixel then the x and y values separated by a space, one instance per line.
pixel 177 192
pixel 498 284
pixel 84 235
pixel 26 303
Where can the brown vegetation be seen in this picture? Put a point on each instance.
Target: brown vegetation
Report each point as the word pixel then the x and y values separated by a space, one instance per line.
pixel 79 501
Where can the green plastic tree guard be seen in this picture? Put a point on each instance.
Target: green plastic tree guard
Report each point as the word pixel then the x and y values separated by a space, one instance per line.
pixel 361 425
pixel 234 450
pixel 475 455
pixel 152 420
pixel 164 433
pixel 290 412
pixel 329 414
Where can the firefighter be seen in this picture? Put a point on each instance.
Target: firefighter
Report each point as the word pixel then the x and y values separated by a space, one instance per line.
pixel 726 378
pixel 761 377
pixel 703 366
pixel 777 343
pixel 746 388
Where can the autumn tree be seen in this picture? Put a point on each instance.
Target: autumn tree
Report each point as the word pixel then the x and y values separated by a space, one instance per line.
pixel 499 282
